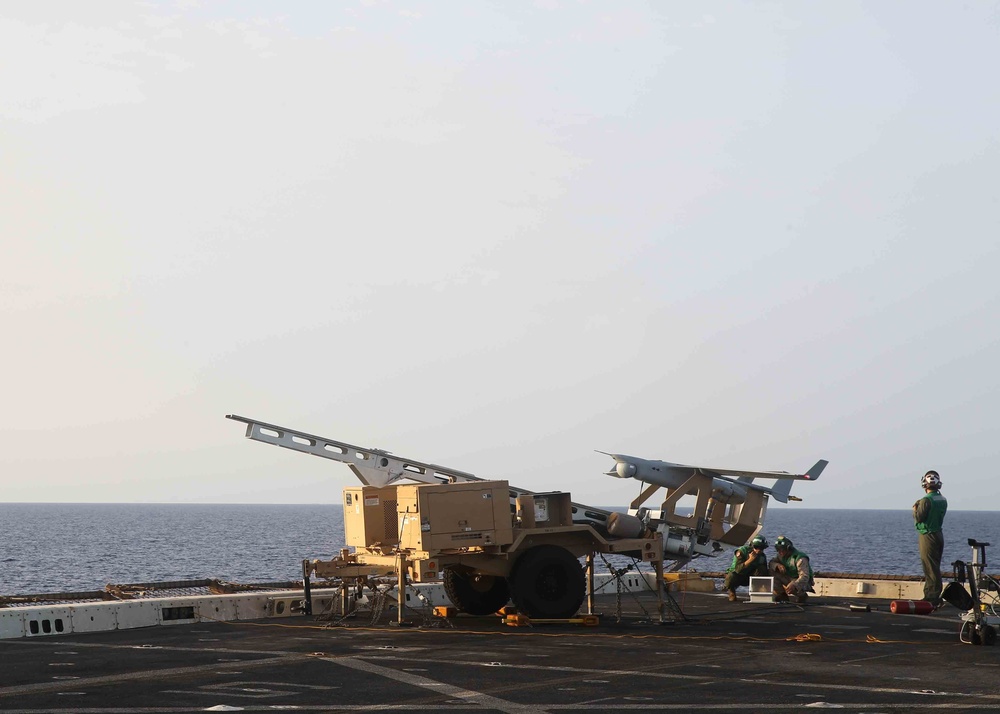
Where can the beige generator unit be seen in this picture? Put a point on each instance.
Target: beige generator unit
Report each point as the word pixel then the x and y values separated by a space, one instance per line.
pixel 370 516
pixel 437 517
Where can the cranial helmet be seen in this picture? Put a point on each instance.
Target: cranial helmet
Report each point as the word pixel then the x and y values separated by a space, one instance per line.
pixel 931 480
pixel 783 543
pixel 759 541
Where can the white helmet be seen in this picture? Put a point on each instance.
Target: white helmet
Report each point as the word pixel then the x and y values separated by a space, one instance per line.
pixel 931 480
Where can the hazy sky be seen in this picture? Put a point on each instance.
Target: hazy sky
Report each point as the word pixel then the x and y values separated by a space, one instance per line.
pixel 498 236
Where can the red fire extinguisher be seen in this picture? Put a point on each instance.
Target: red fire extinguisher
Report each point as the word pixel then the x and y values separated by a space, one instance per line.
pixel 911 607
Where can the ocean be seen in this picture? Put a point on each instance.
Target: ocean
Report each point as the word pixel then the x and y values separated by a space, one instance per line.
pixel 83 547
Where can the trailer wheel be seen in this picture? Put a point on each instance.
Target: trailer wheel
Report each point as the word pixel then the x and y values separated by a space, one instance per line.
pixel 547 582
pixel 475 593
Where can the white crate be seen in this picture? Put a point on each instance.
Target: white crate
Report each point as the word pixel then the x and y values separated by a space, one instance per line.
pixel 761 589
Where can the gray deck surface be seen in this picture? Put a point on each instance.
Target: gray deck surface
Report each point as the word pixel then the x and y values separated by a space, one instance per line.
pixel 724 657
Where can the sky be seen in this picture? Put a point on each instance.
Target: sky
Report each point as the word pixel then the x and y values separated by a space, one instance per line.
pixel 499 236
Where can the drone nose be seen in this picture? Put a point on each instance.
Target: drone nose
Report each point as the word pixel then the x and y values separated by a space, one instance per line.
pixel 625 469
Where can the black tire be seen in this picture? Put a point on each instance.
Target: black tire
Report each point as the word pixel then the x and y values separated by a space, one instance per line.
pixel 989 635
pixel 547 582
pixel 969 633
pixel 475 593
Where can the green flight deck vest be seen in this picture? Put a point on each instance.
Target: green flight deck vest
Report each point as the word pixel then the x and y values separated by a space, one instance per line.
pixel 791 569
pixel 935 516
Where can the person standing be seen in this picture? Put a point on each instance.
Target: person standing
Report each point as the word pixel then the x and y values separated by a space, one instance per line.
pixel 748 560
pixel 928 517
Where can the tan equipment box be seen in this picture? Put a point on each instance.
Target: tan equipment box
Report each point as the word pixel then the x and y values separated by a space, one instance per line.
pixel 370 516
pixel 438 517
pixel 544 510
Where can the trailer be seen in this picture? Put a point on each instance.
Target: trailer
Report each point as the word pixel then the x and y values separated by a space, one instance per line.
pixel 485 553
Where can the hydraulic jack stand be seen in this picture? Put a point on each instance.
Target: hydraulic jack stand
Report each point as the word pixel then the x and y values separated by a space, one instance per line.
pixel 978 627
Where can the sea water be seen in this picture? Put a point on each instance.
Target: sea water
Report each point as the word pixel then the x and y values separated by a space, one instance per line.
pixel 83 547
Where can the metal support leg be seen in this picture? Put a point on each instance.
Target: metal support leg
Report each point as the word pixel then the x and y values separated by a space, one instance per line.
pixel 658 566
pixel 590 583
pixel 306 569
pixel 345 598
pixel 400 589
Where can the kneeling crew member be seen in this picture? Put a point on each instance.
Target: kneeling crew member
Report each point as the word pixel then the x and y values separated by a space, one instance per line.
pixel 748 560
pixel 793 575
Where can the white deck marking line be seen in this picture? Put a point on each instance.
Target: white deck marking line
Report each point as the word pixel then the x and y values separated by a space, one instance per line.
pixel 251 689
pixel 152 648
pixel 868 659
pixel 449 690
pixel 85 682
pixel 581 670
pixel 708 679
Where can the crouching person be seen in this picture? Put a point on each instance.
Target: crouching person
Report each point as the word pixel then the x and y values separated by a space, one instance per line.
pixel 792 573
pixel 748 560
